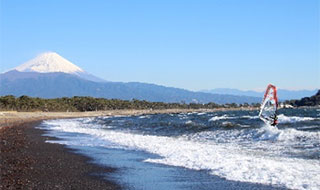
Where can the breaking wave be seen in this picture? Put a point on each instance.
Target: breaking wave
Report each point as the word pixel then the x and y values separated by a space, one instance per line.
pixel 265 155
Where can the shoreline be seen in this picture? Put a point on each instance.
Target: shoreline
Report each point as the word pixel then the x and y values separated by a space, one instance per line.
pixel 10 118
pixel 25 155
pixel 28 162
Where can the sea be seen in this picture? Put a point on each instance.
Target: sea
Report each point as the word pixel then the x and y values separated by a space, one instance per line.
pixel 200 150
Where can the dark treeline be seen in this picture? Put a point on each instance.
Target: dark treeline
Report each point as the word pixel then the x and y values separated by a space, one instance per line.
pixel 306 101
pixel 77 103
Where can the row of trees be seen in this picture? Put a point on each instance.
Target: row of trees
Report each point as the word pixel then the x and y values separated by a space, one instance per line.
pixel 306 101
pixel 77 103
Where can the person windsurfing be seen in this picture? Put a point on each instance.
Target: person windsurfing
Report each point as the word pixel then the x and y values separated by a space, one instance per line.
pixel 269 106
pixel 274 119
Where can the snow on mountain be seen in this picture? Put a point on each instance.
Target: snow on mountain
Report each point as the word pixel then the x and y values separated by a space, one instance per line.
pixel 49 62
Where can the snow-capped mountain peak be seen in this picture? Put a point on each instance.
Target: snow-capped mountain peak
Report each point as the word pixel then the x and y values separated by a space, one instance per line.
pixel 49 62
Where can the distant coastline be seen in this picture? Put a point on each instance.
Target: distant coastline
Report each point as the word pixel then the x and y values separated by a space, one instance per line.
pixel 11 118
pixel 86 103
pixel 24 108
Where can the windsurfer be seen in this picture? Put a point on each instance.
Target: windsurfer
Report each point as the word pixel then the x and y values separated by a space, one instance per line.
pixel 269 106
pixel 275 120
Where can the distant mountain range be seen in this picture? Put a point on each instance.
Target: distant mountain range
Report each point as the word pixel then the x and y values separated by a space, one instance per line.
pixel 58 84
pixel 282 93
pixel 50 76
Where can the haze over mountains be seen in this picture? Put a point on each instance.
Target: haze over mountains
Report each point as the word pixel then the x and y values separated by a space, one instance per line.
pixel 49 76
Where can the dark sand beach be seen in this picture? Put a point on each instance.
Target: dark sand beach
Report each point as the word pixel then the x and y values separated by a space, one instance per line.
pixel 27 162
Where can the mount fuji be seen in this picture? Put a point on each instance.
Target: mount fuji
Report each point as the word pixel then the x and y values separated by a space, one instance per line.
pixel 48 63
pixel 49 75
pixel 51 62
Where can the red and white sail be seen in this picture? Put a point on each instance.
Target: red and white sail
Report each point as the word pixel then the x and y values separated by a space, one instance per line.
pixel 269 106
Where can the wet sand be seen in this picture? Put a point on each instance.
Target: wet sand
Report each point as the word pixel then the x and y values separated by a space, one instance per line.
pixel 27 162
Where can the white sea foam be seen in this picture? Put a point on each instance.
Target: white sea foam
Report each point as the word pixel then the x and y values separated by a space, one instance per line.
pixel 293 134
pixel 310 127
pixel 144 116
pixel 228 160
pixel 188 122
pixel 293 119
pixel 182 116
pixel 216 118
pixel 250 117
pixel 281 118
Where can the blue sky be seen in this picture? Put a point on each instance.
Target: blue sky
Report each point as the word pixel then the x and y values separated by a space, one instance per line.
pixel 187 44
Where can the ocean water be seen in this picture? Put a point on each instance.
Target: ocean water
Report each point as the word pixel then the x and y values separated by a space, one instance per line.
pixel 226 149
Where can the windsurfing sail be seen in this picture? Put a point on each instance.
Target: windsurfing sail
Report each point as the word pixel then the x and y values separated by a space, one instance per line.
pixel 269 106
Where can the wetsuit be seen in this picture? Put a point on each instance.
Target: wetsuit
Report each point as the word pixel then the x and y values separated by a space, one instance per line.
pixel 275 120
